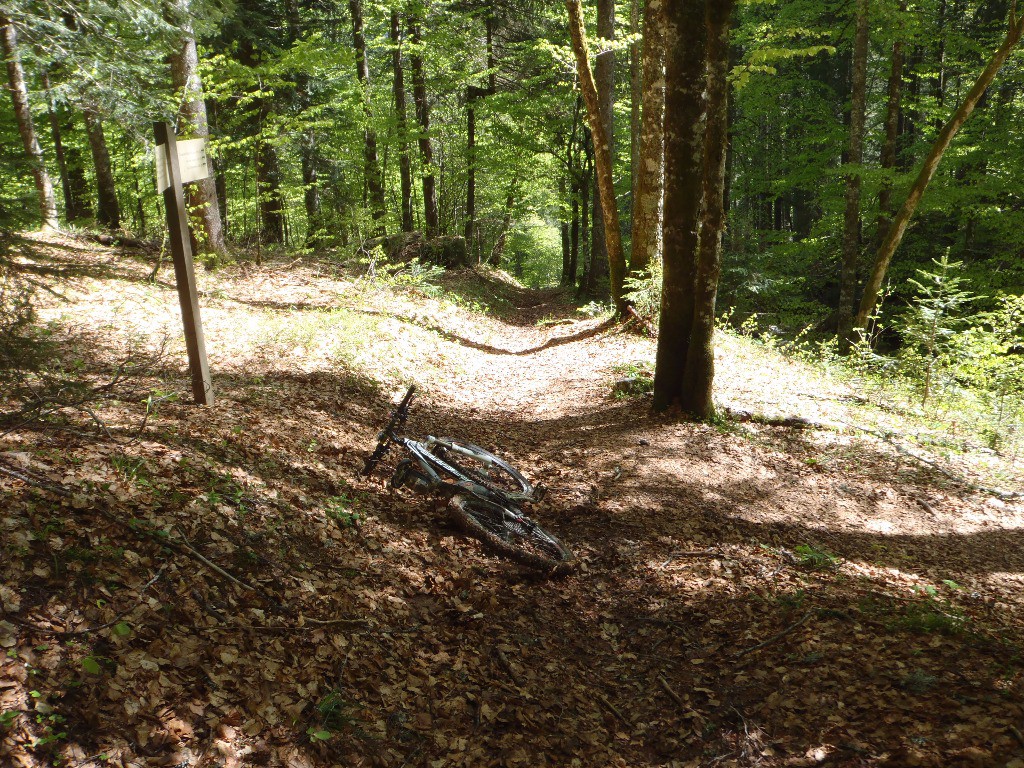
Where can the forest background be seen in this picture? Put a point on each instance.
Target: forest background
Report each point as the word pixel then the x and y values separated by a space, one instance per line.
pixel 316 144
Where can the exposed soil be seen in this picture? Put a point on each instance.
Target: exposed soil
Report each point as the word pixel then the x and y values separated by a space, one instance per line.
pixel 746 594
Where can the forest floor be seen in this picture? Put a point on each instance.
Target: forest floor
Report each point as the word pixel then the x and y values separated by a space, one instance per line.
pixel 186 586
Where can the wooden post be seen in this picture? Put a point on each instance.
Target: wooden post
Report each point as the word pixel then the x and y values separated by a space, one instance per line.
pixel 184 272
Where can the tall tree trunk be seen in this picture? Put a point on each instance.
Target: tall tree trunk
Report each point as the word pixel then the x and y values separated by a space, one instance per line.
pixel 604 81
pixel 635 98
pixel 889 143
pixel 685 44
pixel 695 397
pixel 472 94
pixel 506 224
pixel 201 196
pixel 647 203
pixel 108 210
pixel 851 219
pixel 602 157
pixel 583 201
pixel 23 115
pixel 563 224
pixel 72 177
pixel 931 164
pixel 271 200
pixel 374 179
pixel 404 160
pixel 419 95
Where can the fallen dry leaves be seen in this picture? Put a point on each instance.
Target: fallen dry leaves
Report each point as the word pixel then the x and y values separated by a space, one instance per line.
pixel 219 588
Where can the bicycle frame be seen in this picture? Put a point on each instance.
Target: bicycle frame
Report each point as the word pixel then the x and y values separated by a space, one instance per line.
pixel 430 464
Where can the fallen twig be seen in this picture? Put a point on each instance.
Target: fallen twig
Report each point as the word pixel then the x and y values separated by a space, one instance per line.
pixel 775 637
pixel 184 544
pixel 709 553
pixel 672 694
pixel 612 709
pixel 1017 734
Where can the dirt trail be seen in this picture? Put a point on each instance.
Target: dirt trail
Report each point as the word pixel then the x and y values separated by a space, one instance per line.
pixel 747 595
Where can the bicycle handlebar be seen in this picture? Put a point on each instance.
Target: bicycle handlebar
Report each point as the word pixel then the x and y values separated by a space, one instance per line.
pixel 398 417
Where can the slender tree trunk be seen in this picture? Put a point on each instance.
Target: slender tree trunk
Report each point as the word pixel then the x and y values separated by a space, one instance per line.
pixel 602 157
pixel 635 98
pixel 574 237
pixel 419 95
pixel 647 203
pixel 604 81
pixel 563 223
pixel 584 204
pixel 201 196
pixel 931 164
pixel 685 44
pixel 374 179
pixel 506 224
pixel 108 210
pixel 23 115
pixel 74 203
pixel 470 167
pixel 851 220
pixel 404 160
pixel 472 94
pixel 696 398
pixel 889 143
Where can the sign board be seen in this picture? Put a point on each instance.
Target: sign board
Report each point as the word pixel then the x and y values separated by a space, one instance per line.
pixel 191 163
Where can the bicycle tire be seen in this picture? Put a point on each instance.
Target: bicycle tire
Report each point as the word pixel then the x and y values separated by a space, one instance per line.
pixel 507 479
pixel 502 531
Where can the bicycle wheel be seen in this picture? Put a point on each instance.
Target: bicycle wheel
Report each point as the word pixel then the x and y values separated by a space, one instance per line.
pixel 510 533
pixel 485 468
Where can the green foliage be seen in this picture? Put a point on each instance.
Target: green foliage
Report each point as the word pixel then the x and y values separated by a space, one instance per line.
pixel 644 292
pixel 814 559
pixel 341 509
pixel 931 325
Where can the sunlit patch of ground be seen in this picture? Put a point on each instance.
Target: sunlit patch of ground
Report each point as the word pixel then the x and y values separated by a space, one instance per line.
pixel 748 594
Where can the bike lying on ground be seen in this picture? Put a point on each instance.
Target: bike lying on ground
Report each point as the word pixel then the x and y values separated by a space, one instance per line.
pixel 485 492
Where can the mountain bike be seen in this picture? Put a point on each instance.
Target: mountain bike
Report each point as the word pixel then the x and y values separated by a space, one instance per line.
pixel 485 492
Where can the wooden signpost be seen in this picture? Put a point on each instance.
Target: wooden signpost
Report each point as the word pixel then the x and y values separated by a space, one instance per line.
pixel 178 163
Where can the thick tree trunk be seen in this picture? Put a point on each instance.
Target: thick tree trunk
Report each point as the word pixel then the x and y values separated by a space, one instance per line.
pixel 696 398
pixel 931 164
pixel 647 202
pixel 602 158
pixel 685 43
pixel 404 160
pixel 108 209
pixel 374 179
pixel 201 196
pixel 23 115
pixel 851 219
pixel 268 184
pixel 419 95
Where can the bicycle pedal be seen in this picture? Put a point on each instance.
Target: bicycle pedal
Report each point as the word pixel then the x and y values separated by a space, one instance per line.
pixel 539 492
